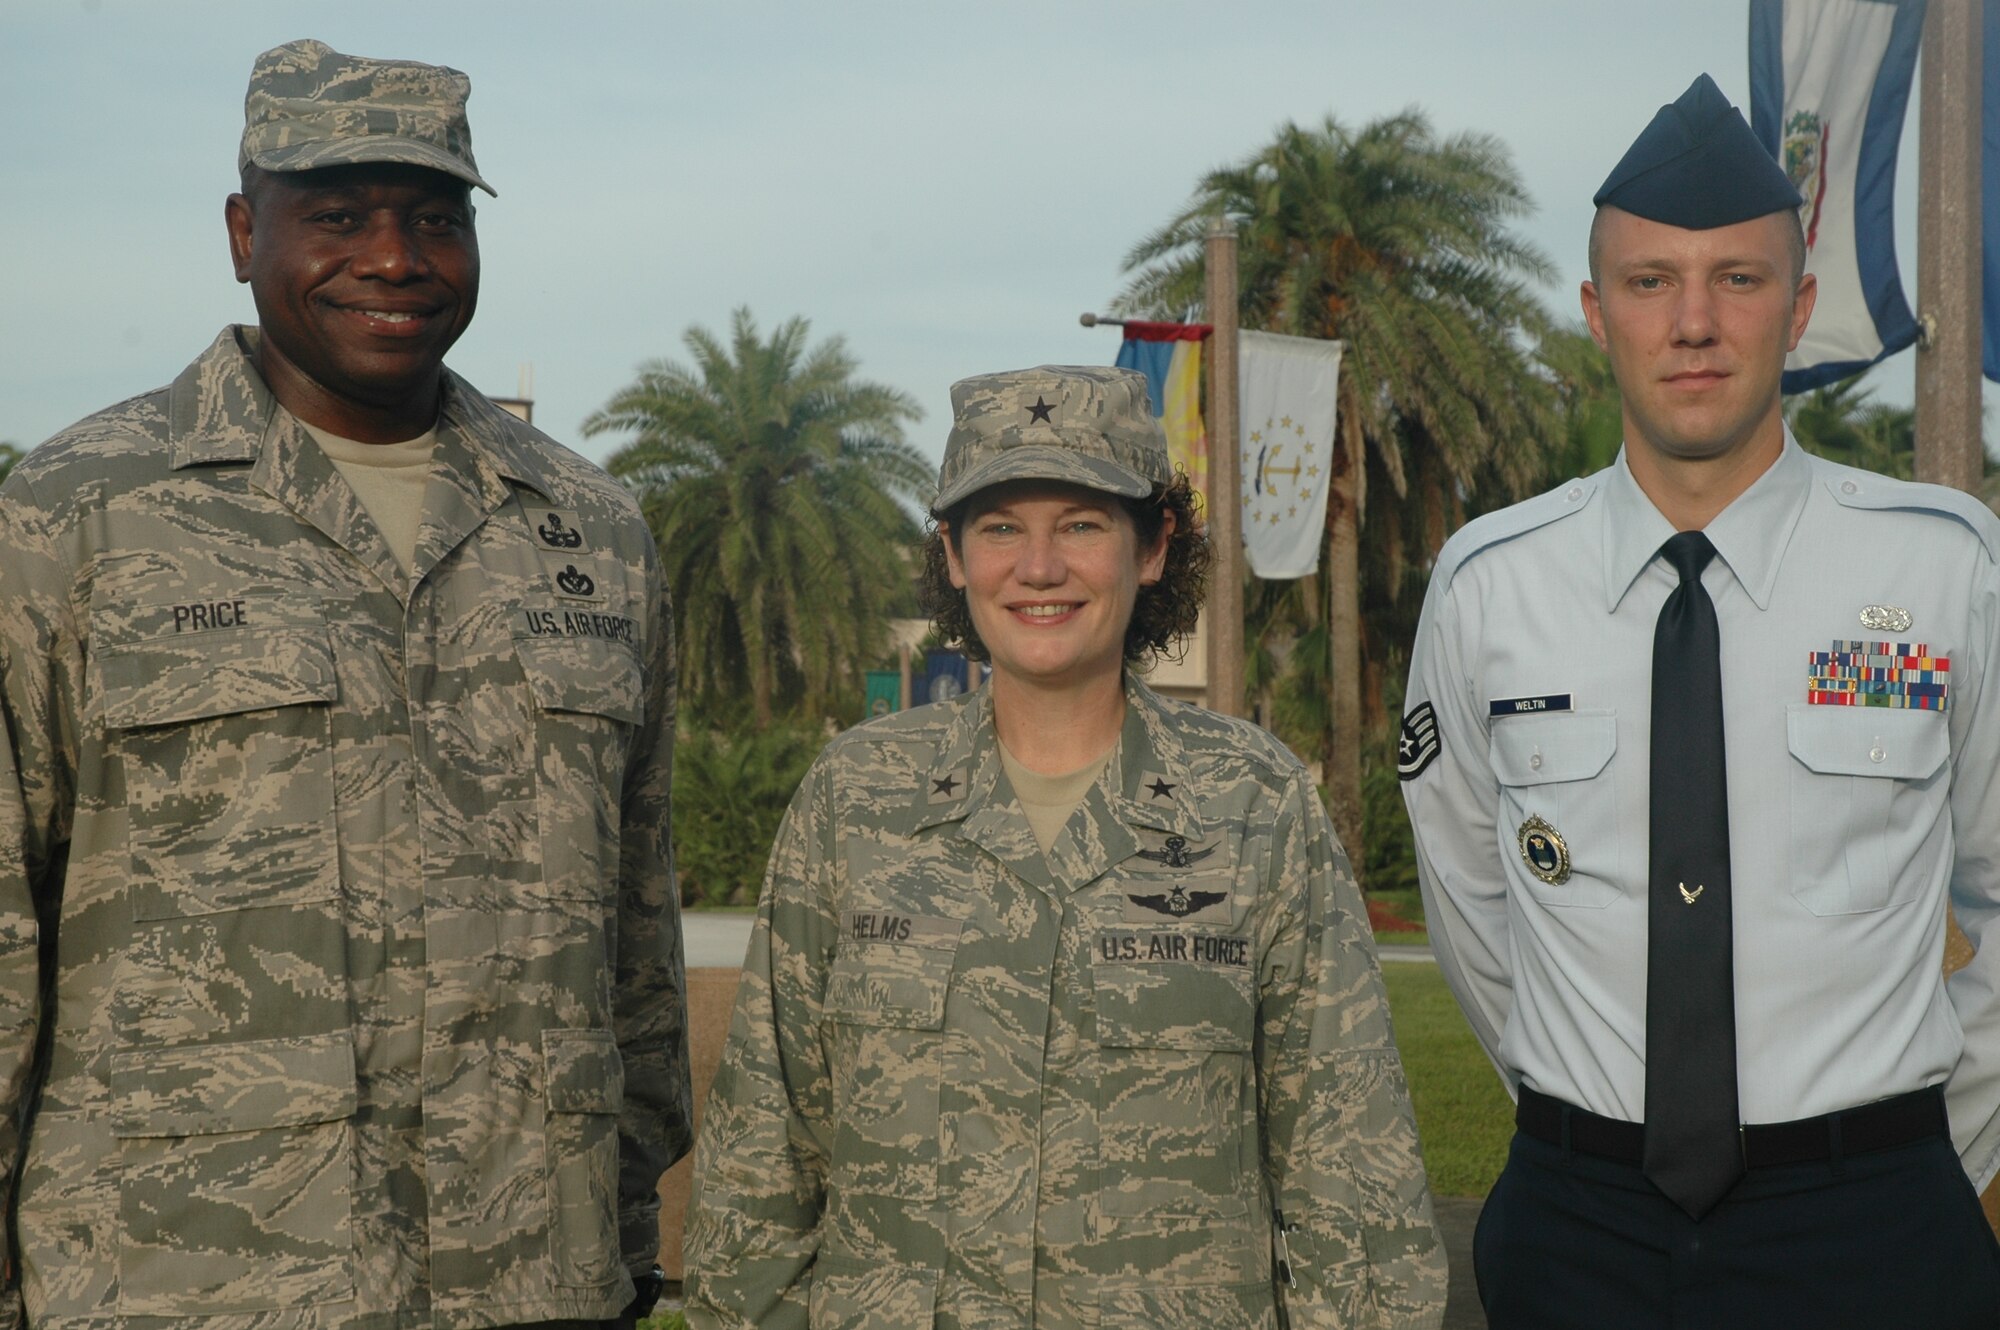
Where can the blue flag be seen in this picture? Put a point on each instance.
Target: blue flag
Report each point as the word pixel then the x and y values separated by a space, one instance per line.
pixel 1829 85
pixel 944 675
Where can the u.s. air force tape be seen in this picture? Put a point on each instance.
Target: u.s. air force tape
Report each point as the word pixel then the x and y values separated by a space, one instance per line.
pixel 1419 745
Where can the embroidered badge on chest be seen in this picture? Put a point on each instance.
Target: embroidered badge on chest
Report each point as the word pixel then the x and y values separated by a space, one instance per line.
pixel 1174 853
pixel 1179 902
pixel 573 579
pixel 556 530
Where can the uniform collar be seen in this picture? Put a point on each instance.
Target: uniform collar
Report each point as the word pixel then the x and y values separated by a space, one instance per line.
pixel 1750 535
pixel 220 410
pixel 1144 785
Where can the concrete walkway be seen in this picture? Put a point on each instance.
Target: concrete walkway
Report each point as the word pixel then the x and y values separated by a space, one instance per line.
pixel 715 941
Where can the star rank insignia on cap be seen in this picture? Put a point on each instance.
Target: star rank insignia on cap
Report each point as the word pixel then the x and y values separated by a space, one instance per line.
pixel 947 788
pixel 1418 745
pixel 1041 410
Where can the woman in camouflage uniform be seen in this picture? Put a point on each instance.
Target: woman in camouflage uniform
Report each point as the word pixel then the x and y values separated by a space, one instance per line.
pixel 1061 1007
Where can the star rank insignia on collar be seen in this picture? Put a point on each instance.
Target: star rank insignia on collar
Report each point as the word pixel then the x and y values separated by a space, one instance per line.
pixel 1159 786
pixel 945 789
pixel 1041 411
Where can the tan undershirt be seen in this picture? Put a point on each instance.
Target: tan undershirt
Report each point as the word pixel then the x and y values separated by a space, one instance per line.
pixel 1050 800
pixel 389 479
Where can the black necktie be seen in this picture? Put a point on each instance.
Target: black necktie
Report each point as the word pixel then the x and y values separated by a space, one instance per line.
pixel 1693 1151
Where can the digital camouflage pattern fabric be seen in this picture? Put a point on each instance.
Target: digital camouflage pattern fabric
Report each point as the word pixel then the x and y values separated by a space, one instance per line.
pixel 359 954
pixel 1090 425
pixel 970 1085
pixel 309 106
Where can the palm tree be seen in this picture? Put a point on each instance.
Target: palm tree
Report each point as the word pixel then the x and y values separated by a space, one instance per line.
pixel 770 475
pixel 1593 418
pixel 1395 242
pixel 1842 422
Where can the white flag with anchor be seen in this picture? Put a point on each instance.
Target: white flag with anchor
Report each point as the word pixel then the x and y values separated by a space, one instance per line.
pixel 1288 387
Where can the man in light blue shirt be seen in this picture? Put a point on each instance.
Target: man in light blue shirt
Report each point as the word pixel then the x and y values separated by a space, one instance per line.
pixel 1698 749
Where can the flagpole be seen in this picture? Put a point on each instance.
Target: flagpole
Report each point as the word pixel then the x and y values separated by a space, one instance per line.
pixel 1225 507
pixel 1949 260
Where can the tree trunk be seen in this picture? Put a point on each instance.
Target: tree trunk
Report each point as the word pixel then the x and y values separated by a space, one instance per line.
pixel 1343 622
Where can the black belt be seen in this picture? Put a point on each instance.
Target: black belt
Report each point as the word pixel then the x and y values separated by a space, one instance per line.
pixel 1882 1125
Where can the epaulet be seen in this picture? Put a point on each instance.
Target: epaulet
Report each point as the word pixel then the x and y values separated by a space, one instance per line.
pixel 1854 488
pixel 1483 533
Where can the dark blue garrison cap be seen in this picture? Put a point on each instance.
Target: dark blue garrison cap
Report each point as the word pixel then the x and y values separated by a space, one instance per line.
pixel 1697 166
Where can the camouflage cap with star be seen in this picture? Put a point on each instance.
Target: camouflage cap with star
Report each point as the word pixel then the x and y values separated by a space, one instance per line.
pixel 1088 425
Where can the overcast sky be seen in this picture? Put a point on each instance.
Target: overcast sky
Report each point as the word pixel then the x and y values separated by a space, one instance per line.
pixel 945 184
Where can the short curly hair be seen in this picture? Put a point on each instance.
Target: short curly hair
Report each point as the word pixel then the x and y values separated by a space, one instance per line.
pixel 1162 617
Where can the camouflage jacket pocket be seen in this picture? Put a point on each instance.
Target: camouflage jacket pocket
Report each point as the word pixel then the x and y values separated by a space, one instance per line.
pixel 847 1294
pixel 588 693
pixel 234 1176
pixel 226 743
pixel 585 1088
pixel 1176 1097
pixel 885 1019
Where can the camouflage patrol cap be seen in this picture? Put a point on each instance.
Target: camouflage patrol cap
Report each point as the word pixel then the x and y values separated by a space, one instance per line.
pixel 310 106
pixel 1089 425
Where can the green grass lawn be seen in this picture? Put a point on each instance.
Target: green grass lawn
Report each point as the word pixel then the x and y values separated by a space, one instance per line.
pixel 1463 1114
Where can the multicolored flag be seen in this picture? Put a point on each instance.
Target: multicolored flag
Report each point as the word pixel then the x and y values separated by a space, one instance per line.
pixel 1169 355
pixel 1829 83
pixel 1288 389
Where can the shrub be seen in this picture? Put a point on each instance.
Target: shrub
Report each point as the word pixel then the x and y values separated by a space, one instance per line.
pixel 731 787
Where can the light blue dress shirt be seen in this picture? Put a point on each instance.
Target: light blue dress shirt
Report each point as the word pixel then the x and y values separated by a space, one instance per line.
pixel 1849 825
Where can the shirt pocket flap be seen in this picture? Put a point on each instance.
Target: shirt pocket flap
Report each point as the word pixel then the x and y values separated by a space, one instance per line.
pixel 249 1086
pixel 584 1071
pixel 183 677
pixel 590 675
pixel 889 984
pixel 1867 741
pixel 1543 749
pixel 1177 1004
